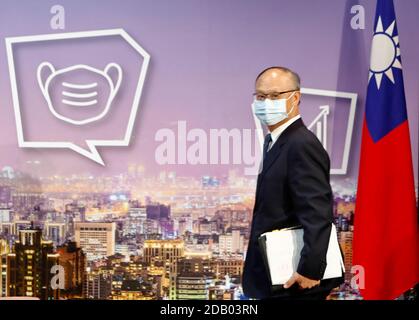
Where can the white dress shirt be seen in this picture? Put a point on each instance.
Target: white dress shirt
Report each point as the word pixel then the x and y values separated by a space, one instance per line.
pixel 277 132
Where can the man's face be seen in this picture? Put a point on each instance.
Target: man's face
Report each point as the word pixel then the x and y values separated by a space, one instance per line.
pixel 272 85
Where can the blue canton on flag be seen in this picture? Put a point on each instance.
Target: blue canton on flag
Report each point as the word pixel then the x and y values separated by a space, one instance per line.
pixel 386 103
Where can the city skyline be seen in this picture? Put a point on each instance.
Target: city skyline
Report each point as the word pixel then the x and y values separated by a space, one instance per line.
pixel 127 225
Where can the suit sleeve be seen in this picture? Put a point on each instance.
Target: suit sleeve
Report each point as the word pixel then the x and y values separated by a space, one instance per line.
pixel 311 197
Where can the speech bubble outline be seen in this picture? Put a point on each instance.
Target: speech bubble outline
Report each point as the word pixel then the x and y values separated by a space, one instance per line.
pixel 92 152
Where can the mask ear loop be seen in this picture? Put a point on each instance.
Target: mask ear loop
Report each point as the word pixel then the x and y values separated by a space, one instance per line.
pixel 288 113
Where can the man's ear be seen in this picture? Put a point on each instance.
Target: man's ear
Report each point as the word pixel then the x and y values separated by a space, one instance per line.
pixel 297 98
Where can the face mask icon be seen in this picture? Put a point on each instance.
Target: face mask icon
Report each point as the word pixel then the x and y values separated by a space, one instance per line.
pixel 79 94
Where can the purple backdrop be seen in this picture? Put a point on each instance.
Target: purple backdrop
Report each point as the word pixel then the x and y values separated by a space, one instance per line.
pixel 204 58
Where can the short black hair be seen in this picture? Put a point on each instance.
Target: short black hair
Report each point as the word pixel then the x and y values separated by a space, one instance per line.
pixel 294 75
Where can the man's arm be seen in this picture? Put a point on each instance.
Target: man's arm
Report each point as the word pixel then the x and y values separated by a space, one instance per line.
pixel 311 196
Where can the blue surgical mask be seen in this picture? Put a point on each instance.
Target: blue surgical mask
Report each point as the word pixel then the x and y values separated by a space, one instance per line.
pixel 270 112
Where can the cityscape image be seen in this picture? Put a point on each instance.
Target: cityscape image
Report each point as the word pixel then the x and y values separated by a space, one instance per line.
pixel 133 236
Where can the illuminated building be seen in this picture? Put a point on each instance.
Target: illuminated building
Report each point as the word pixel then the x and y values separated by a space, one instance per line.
pixel 29 266
pixel 73 260
pixel 7 228
pixel 150 227
pixel 97 239
pixel 4 250
pixel 220 293
pixel 97 286
pixel 22 225
pixel 184 224
pixel 192 286
pixel 164 253
pixel 134 221
pixel 55 231
pixel 4 247
pixel 134 290
pixel 194 265
pixel 5 215
pixel 232 266
pixel 230 243
pixel 76 210
pixel 123 250
pixel 205 227
pixel 27 200
pixel 3 275
pixel 345 241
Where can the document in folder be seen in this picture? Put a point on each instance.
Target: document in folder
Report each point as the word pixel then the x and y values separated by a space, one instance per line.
pixel 281 251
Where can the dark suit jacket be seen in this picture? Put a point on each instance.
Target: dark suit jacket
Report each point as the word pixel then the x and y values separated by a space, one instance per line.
pixel 292 189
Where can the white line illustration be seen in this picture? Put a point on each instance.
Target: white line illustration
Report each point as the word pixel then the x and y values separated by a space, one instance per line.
pixel 80 86
pixel 79 104
pixel 321 125
pixel 92 152
pixel 45 88
pixel 79 95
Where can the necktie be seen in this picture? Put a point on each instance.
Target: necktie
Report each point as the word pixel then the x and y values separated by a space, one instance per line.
pixel 268 140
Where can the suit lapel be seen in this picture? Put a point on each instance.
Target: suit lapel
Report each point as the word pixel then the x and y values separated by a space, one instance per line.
pixel 272 154
pixel 276 148
pixel 275 151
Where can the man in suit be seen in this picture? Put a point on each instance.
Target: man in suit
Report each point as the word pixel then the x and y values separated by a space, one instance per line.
pixel 293 188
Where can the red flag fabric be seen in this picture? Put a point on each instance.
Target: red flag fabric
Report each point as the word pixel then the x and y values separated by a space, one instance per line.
pixel 386 220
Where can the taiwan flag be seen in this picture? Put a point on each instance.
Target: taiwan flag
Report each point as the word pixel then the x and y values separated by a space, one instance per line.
pixel 386 223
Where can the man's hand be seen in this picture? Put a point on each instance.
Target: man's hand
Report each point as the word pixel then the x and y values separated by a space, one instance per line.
pixel 303 282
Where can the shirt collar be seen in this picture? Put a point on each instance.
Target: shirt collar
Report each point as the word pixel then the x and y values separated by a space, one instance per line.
pixel 278 131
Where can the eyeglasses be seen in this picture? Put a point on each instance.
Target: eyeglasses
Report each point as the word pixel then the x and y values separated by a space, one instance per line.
pixel 272 96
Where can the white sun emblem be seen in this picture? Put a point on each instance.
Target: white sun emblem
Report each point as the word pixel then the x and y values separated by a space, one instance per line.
pixel 384 53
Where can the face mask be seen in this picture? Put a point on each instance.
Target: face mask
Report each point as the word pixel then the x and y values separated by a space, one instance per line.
pixel 270 112
pixel 79 94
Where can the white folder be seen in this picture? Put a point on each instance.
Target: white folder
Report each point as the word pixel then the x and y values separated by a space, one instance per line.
pixel 283 248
